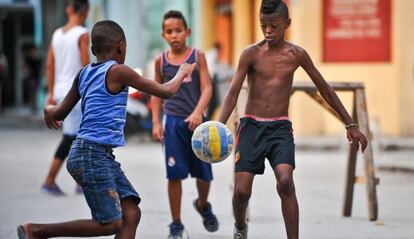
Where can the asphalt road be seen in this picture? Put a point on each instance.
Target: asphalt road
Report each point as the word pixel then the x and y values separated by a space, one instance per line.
pixel 319 178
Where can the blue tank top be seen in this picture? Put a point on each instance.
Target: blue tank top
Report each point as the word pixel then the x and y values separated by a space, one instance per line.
pixel 103 113
pixel 185 100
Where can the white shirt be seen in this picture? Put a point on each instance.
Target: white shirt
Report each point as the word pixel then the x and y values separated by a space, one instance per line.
pixel 67 58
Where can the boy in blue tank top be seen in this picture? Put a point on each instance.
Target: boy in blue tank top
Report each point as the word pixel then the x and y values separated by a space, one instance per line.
pixel 183 113
pixel 103 88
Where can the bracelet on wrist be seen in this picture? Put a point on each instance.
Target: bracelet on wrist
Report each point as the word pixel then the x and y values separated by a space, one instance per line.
pixel 350 125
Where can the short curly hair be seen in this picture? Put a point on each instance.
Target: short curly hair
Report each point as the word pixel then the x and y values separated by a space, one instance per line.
pixel 274 6
pixel 105 35
pixel 174 14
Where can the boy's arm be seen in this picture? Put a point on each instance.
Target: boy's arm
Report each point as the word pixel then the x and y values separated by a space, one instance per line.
pixel 50 76
pixel 156 104
pixel 206 89
pixel 353 133
pixel 235 86
pixel 53 114
pixel 120 75
pixel 84 49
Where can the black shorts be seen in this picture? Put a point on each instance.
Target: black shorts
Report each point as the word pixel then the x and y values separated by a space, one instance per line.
pixel 257 140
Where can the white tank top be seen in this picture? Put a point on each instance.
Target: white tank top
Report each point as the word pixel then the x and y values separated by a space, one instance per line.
pixel 66 52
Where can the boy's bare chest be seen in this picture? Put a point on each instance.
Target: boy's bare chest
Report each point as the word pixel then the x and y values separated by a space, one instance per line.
pixel 274 65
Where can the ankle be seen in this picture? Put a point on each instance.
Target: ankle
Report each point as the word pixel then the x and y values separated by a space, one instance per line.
pixel 240 226
pixel 31 231
pixel 177 221
pixel 49 183
pixel 201 204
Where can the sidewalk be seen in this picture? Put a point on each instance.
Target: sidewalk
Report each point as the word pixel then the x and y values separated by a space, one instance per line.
pixel 319 179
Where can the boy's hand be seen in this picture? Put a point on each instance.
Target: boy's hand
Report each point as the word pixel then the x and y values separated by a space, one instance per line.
pixel 186 70
pixel 48 117
pixel 158 132
pixel 194 120
pixel 355 136
pixel 50 99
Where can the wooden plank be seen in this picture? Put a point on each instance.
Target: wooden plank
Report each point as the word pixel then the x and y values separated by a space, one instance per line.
pixel 337 86
pixel 350 173
pixel 318 98
pixel 362 179
pixel 363 123
pixel 349 181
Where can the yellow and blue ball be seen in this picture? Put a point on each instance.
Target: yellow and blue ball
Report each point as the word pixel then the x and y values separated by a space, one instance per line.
pixel 212 141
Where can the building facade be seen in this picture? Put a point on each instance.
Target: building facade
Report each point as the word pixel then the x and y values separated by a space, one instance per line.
pixel 379 34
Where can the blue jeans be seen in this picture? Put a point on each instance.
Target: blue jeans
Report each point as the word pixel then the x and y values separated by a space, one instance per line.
pixel 104 185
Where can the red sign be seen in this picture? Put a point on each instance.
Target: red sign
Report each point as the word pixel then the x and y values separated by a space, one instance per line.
pixel 356 30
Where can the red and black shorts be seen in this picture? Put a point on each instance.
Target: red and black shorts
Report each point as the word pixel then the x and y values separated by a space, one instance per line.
pixel 259 138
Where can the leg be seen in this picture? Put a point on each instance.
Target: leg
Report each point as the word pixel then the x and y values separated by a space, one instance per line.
pixel 77 228
pixel 174 196
pixel 204 208
pixel 61 153
pixel 131 217
pixel 242 191
pixel 286 190
pixel 175 162
pixel 53 171
pixel 203 188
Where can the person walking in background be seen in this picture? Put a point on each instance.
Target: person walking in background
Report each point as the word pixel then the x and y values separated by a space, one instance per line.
pixel 183 113
pixel 212 59
pixel 221 74
pixel 68 53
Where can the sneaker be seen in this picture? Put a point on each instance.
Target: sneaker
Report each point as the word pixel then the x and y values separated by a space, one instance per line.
pixel 21 233
pixel 240 234
pixel 176 230
pixel 78 189
pixel 53 190
pixel 209 219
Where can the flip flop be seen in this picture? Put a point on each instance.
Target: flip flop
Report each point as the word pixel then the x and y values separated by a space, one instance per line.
pixel 21 233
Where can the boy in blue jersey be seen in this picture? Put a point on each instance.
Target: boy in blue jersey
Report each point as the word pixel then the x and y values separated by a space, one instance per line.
pixel 183 113
pixel 103 88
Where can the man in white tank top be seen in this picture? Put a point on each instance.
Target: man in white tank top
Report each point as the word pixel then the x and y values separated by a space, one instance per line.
pixel 68 54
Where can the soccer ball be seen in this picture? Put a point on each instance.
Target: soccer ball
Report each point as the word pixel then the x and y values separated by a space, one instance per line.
pixel 212 141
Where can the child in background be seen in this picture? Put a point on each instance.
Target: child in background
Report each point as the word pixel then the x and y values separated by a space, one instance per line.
pixel 183 113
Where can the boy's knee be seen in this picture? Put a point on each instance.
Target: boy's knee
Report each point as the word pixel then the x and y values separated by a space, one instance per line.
pixel 133 216
pixel 113 227
pixel 285 186
pixel 241 194
pixel 174 181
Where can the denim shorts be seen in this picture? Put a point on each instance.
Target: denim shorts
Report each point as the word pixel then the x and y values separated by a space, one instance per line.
pixel 104 185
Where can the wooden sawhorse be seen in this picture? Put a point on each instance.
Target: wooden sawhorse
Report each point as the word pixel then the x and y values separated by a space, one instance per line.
pixel 360 116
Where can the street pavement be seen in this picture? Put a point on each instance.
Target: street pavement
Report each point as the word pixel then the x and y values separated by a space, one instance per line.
pixel 25 155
